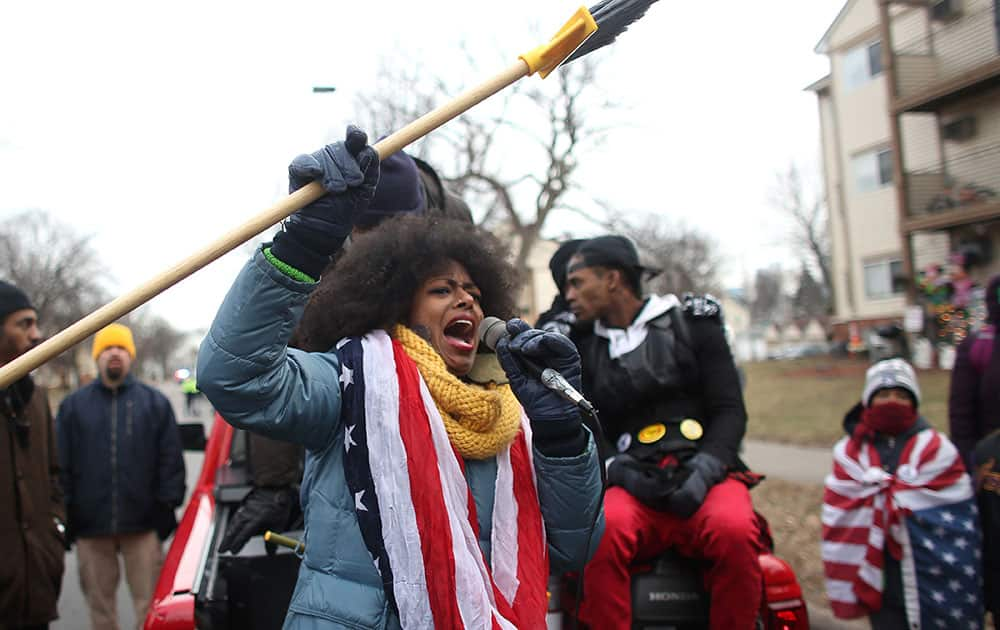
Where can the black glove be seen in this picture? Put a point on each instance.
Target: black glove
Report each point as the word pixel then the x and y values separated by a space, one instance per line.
pixel 261 510
pixel 649 483
pixel 554 420
pixel 164 520
pixel 706 471
pixel 348 171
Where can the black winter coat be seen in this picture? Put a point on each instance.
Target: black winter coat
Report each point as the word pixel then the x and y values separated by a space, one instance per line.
pixel 987 474
pixel 683 369
pixel 31 503
pixel 974 397
pixel 122 466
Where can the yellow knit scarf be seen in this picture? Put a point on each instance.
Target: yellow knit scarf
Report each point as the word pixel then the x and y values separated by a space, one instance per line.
pixel 481 421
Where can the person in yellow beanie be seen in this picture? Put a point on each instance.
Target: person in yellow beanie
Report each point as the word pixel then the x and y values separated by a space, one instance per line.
pixel 123 474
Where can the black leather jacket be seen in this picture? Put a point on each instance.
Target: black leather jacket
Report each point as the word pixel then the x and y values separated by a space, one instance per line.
pixel 683 369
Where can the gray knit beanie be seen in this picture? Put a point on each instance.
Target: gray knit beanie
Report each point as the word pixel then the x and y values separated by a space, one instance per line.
pixel 888 374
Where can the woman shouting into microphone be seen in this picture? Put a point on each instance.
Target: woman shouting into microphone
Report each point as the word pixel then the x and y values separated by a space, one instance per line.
pixel 435 494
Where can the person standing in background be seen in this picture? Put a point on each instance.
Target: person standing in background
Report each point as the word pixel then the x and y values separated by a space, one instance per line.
pixel 974 400
pixel 123 472
pixel 900 541
pixel 559 318
pixel 189 387
pixel 31 501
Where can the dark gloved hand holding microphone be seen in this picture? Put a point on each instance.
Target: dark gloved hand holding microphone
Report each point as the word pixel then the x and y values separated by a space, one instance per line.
pixel 522 350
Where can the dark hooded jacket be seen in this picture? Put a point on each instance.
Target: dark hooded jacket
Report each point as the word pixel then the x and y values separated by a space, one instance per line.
pixel 974 401
pixel 31 507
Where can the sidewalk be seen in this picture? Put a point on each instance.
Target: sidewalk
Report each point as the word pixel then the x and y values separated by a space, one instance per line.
pixel 797 464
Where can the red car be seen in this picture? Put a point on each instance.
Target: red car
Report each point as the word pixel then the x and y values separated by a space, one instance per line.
pixel 200 588
pixel 173 599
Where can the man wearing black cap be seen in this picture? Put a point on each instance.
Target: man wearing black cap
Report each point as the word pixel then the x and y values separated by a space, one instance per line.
pixel 559 318
pixel 406 185
pixel 661 374
pixel 31 501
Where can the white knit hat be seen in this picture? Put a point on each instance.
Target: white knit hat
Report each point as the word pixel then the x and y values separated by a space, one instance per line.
pixel 887 374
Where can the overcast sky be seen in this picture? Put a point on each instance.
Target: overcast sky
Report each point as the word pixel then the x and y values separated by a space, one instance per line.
pixel 156 127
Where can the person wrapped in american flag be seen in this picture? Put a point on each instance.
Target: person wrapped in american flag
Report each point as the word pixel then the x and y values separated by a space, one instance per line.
pixel 901 539
pixel 440 483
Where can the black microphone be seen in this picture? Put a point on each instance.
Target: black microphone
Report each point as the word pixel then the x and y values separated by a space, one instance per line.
pixel 492 329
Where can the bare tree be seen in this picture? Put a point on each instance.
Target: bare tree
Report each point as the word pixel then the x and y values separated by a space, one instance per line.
pixel 810 233
pixel 686 258
pixel 157 342
pixel 810 300
pixel 521 176
pixel 58 269
pixel 768 297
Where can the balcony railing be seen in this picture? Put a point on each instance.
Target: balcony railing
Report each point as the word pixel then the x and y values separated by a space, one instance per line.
pixel 936 59
pixel 966 187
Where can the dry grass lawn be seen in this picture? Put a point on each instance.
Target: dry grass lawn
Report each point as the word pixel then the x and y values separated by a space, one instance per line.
pixel 793 513
pixel 803 401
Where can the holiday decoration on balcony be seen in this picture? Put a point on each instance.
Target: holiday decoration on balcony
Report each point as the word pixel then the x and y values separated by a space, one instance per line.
pixel 953 301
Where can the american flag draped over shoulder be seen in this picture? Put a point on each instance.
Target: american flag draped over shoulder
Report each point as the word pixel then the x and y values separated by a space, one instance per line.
pixel 928 510
pixel 415 510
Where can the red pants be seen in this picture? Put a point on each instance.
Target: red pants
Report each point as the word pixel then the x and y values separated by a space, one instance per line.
pixel 723 531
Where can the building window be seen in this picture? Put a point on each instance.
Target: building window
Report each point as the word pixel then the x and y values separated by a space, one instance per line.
pixel 884 278
pixel 862 64
pixel 874 59
pixel 872 169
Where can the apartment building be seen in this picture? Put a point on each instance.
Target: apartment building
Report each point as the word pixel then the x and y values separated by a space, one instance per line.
pixel 910 127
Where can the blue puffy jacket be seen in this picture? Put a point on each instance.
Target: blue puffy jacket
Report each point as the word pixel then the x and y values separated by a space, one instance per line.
pixel 122 467
pixel 257 383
